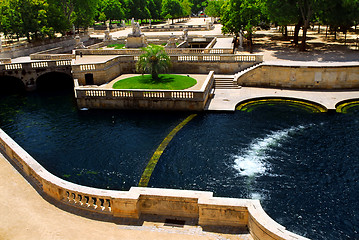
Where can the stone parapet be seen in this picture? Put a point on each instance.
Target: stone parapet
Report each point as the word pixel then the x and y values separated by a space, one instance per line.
pixel 330 76
pixel 208 210
pixel 188 100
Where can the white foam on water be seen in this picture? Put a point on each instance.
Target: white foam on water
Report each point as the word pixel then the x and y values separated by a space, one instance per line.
pixel 257 196
pixel 252 161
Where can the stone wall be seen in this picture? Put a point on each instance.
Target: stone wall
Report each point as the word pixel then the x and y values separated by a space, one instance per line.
pixel 318 77
pixel 208 210
pixel 185 100
pixel 26 49
pixel 187 64
pixel 28 73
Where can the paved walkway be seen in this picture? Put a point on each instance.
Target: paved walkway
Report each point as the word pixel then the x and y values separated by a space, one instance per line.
pixel 228 99
pixel 24 214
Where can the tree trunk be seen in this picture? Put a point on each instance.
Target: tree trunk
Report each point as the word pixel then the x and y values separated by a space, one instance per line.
pixel 250 38
pixel 345 41
pixel 326 32
pixel 296 32
pixel 303 46
pixel 335 34
pixel 319 28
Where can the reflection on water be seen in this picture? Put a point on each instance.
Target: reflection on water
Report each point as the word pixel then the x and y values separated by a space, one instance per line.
pixel 304 167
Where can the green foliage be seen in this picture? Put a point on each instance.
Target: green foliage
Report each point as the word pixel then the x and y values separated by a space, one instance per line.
pixel 340 14
pixel 282 12
pixel 186 7
pixel 172 9
pixel 116 46
pixel 214 7
pixel 112 9
pixel 154 61
pixel 239 15
pixel 166 81
pixel 137 9
pixel 154 6
pixel 198 5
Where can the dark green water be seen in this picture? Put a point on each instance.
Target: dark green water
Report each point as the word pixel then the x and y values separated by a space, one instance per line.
pixel 304 167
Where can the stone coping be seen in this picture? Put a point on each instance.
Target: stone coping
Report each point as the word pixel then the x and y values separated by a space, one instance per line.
pixel 310 64
pixel 200 78
pixel 200 205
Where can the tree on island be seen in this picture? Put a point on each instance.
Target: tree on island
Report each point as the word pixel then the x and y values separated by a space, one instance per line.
pixel 154 61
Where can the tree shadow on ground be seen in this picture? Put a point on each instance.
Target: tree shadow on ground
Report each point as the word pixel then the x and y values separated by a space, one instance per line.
pixel 276 47
pixel 161 79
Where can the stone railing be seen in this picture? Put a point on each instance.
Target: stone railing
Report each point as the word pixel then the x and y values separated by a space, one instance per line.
pixel 35 65
pixel 25 49
pixel 166 28
pixel 52 56
pixel 199 205
pixel 170 51
pixel 212 43
pixel 147 99
pixel 218 58
pixel 5 60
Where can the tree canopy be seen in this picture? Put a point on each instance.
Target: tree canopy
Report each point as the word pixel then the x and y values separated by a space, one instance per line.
pixel 154 61
pixel 36 19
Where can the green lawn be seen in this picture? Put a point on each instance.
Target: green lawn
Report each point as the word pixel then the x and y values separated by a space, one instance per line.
pixel 166 82
pixel 116 46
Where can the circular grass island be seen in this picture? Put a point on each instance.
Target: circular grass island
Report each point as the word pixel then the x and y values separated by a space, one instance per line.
pixel 165 82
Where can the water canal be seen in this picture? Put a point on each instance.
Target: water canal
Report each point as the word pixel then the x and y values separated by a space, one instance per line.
pixel 303 166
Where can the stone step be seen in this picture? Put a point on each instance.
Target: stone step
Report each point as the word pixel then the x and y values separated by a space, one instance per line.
pixel 224 82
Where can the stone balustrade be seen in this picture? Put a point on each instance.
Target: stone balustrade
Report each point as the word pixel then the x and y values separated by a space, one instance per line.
pixel 52 57
pixel 145 99
pixel 199 205
pixel 169 51
pixel 166 28
pixel 35 65
pixel 5 60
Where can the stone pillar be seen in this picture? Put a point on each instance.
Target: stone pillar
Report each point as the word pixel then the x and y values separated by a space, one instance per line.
pixel 108 37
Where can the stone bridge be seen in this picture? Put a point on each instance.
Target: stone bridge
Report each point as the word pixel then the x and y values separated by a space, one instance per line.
pixel 28 73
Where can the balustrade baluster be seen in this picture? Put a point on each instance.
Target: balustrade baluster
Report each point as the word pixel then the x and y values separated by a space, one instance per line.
pixel 91 202
pixel 83 200
pixel 98 205
pixel 71 198
pixel 77 198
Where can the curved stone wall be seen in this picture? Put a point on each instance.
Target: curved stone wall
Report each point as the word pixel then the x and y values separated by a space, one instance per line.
pixel 315 76
pixel 200 205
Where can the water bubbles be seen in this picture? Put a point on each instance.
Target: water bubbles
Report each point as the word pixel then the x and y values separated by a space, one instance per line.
pixel 252 161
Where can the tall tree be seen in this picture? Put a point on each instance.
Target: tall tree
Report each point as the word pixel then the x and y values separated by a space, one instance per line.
pixel 137 9
pixel 198 5
pixel 112 9
pixel 154 6
pixel 283 13
pixel 84 13
pixel 186 7
pixel 340 14
pixel 241 15
pixel 214 7
pixel 172 9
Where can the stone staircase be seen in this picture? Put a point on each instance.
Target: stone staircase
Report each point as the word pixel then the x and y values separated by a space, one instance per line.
pixel 230 81
pixel 225 82
pixel 244 71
